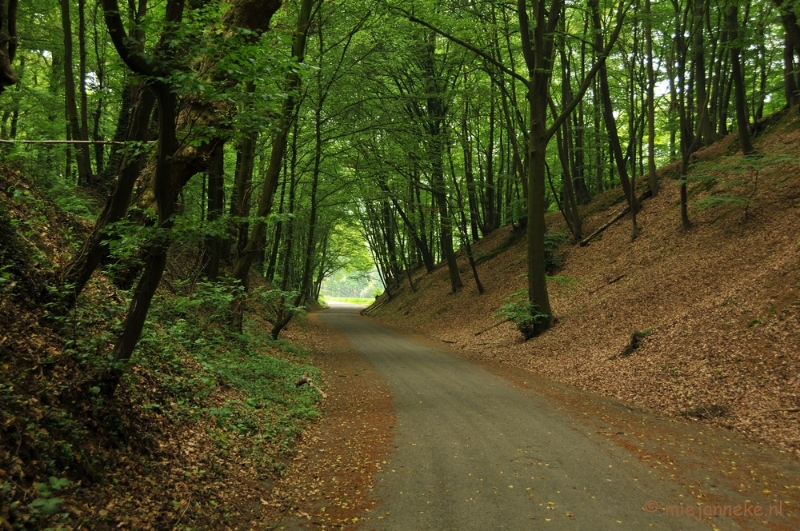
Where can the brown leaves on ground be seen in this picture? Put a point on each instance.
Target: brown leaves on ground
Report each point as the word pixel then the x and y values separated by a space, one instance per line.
pixel 329 483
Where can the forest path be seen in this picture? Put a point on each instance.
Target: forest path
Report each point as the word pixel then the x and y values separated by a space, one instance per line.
pixel 475 451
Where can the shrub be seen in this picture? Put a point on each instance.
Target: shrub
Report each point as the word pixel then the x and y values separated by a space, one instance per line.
pixel 525 314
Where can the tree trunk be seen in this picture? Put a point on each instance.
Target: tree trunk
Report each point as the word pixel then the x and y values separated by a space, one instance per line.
pixel 490 214
pixel 78 272
pixel 82 151
pixel 732 21
pixel 156 255
pixel 435 123
pixel 792 46
pixel 608 117
pixel 244 188
pixel 705 128
pixel 790 81
pixel 8 43
pixel 652 177
pixel 216 196
pixel 85 153
pixel 537 48
pixel 276 241
pixel 169 176
pixel 462 226
pixel 425 252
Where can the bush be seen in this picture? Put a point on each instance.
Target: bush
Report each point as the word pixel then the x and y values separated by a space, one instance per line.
pixel 525 314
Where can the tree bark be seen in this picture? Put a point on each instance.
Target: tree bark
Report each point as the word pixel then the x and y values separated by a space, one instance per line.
pixel 8 43
pixel 85 153
pixel 169 177
pixel 78 272
pixel 608 115
pixel 435 122
pixel 652 177
pixel 216 196
pixel 699 79
pixel 82 151
pixel 732 21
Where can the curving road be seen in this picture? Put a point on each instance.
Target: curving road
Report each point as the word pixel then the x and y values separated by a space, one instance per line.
pixel 473 451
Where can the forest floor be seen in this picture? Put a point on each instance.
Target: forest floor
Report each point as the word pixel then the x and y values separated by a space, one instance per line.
pixel 718 307
pixel 329 482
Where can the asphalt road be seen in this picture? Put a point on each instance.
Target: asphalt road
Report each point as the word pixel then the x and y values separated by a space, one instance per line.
pixel 473 451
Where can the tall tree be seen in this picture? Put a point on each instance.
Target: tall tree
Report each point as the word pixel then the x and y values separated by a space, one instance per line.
pixel 652 177
pixel 8 42
pixel 732 21
pixel 76 132
pixel 168 178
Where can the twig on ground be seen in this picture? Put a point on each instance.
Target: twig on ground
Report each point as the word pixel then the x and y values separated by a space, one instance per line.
pixel 493 326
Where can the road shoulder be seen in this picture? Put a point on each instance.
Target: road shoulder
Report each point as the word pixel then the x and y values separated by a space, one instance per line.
pixel 329 482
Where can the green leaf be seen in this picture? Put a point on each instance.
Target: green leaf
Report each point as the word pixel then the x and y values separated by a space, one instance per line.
pixel 59 483
pixel 47 506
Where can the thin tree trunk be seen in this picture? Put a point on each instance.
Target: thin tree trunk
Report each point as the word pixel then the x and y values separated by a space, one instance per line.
pixel 652 177
pixel 632 125
pixel 435 127
pixel 699 79
pixel 74 122
pixel 468 169
pixel 490 215
pixel 244 188
pixel 789 74
pixel 276 242
pixel 99 153
pixel 598 145
pixel 85 153
pixel 732 20
pixel 608 116
pixel 216 195
pixel 463 224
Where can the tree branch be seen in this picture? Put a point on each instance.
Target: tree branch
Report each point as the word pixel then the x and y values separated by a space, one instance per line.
pixel 124 45
pixel 458 41
pixel 621 12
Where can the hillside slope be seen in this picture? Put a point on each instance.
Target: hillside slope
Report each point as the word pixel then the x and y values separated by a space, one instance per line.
pixel 721 303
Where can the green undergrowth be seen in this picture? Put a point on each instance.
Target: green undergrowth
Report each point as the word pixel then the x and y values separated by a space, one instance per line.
pixel 191 378
pixel 187 344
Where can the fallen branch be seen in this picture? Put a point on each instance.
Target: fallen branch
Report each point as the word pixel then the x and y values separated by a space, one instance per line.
pixel 787 409
pixel 584 242
pixel 608 283
pixel 374 306
pixel 306 380
pixel 493 326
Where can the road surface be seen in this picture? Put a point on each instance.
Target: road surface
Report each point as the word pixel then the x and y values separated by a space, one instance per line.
pixel 475 451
